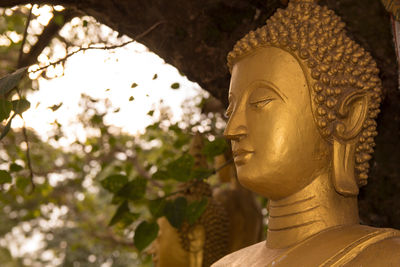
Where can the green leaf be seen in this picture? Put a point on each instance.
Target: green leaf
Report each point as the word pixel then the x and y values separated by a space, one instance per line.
pixel 116 200
pixel 134 85
pixel 182 139
pixel 85 23
pixel 181 168
pixel 151 112
pixel 5 177
pixel 20 105
pixel 114 183
pixel 128 219
pixel 200 173
pixel 59 19
pixel 145 233
pixel 131 98
pixel 120 213
pixel 214 148
pixel 154 126
pixel 157 207
pixel 160 175
pixel 134 190
pixel 9 82
pixel 5 109
pixel 155 76
pixel 175 86
pixel 14 167
pixel 195 210
pixel 22 183
pixel 176 211
pixel 96 119
pixel 6 129
pixel 55 107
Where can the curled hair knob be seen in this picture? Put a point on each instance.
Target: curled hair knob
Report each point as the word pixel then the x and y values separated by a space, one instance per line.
pixel 302 1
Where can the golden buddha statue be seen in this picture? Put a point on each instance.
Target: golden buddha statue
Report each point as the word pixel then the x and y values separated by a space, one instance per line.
pixel 303 100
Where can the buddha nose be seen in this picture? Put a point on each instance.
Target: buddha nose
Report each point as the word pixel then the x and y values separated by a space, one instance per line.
pixel 236 128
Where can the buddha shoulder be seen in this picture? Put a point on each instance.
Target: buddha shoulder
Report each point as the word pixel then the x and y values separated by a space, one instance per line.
pixel 383 253
pixel 256 255
pixel 340 246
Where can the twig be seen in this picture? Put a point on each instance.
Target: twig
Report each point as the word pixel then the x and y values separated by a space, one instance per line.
pixel 170 194
pixel 21 49
pixel 221 167
pixel 28 158
pixel 48 33
pixel 139 168
pixel 143 172
pixel 214 172
pixel 28 154
pixel 100 48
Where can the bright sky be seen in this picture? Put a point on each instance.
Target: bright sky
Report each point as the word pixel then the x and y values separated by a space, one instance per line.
pixel 103 75
pixel 93 73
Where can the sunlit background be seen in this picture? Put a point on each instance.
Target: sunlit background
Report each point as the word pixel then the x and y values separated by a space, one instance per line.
pixel 131 78
pixel 134 82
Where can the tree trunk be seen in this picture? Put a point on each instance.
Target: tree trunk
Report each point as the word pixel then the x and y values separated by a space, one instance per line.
pixel 195 36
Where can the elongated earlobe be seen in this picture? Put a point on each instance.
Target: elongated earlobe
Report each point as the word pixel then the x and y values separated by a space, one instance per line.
pixel 351 114
pixel 344 178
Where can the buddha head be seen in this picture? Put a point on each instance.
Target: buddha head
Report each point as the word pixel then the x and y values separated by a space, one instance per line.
pixel 303 101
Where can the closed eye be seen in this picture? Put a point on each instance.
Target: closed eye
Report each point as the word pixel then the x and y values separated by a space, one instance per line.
pixel 261 103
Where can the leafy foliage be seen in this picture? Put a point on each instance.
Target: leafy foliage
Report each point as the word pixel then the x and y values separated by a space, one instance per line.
pixel 214 148
pixel 175 86
pixel 9 82
pixel 145 234
pixel 195 209
pixel 5 109
pixel 123 192
pixel 108 179
pixel 114 183
pixel 175 211
pixel 5 177
pixel 133 190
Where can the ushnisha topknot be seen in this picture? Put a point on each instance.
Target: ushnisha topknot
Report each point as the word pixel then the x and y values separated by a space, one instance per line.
pixel 337 67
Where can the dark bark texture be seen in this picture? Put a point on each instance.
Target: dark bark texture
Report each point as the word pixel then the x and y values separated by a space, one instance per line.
pixel 195 37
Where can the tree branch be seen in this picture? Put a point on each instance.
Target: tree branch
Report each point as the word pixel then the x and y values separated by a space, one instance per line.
pixel 47 35
pixel 100 48
pixel 110 236
pixel 21 50
pixel 11 3
pixel 28 154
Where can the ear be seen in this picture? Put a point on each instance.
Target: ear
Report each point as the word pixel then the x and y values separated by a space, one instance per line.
pixel 351 113
pixel 351 116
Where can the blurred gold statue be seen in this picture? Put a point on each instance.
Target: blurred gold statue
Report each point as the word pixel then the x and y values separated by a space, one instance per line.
pixel 220 230
pixel 214 235
pixel 197 245
pixel 302 106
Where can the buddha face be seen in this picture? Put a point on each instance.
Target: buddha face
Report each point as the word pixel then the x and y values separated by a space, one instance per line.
pixel 276 145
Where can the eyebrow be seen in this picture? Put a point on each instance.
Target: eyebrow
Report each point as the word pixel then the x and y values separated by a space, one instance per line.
pixel 271 86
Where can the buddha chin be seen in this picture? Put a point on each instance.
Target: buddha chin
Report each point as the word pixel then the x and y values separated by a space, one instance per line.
pixel 273 183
